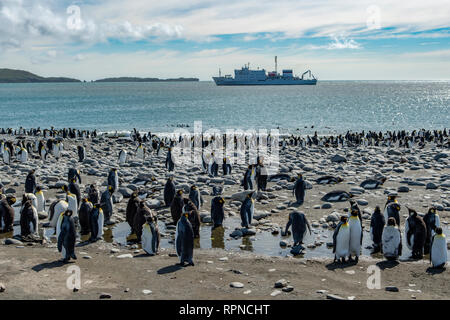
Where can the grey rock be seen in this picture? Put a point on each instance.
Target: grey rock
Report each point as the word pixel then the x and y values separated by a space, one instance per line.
pixel 236 285
pixel 281 283
pixel 391 289
pixel 105 295
pixel 16 242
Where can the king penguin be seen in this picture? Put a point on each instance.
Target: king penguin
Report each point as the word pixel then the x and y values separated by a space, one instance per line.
pixel 150 236
pixel 7 213
pixel 40 200
pixel 247 210
pixel 299 225
pixel 176 207
pixel 81 153
pixel 392 240
pixel 96 223
pixel 55 210
pixel 29 221
pixel 377 223
pixel 122 157
pixel 416 233
pixel 84 215
pixel 169 191
pixel 217 212
pixel 67 237
pixel 341 240
pixel 355 235
pixel 184 240
pixel 438 253
pixel 195 197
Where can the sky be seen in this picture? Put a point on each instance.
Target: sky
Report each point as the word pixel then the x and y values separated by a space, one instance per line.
pixel 336 40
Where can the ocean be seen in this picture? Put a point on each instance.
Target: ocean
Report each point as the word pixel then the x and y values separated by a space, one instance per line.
pixel 329 107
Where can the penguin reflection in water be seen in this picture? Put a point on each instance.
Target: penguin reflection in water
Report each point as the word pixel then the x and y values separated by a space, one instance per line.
pixel 184 240
pixel 67 237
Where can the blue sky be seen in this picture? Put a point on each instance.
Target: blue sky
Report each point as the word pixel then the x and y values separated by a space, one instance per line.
pixel 335 39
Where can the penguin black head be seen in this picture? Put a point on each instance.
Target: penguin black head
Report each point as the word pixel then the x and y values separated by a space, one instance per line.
pixel 432 210
pixel 74 180
pixel 31 171
pixel 439 230
pixel 110 189
pixel 180 192
pixel 85 200
pixel 65 189
pixel 391 221
pixel 339 179
pixel 11 200
pixel 97 205
pixel 68 213
pixel 186 214
pixel 354 212
pixel 343 219
pixel 412 212
pixel 185 201
pixel 193 187
pixel 377 210
pixel 38 188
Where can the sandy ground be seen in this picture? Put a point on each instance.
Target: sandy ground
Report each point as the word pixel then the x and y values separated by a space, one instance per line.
pixel 34 273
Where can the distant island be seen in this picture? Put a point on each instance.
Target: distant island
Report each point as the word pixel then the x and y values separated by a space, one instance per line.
pixel 133 79
pixel 20 76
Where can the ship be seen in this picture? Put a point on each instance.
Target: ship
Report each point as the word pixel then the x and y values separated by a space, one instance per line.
pixel 247 77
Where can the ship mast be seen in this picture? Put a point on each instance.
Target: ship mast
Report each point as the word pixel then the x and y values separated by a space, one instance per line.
pixel 276 65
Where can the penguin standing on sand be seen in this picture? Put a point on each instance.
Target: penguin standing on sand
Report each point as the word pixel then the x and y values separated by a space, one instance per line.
pixel 247 210
pixel 40 200
pixel 67 237
pixel 7 213
pixel 176 207
pixel 432 222
pixel 150 236
pixel 341 240
pixel 140 218
pixel 107 204
pixel 6 155
pixel 122 157
pixel 299 189
pixel 195 196
pixel 113 179
pixel 355 235
pixel 184 240
pixel 377 223
pixel 29 221
pixel 299 224
pixel 438 253
pixel 248 183
pixel 193 216
pixel 226 167
pixel 140 152
pixel 170 164
pixel 392 240
pixel 132 207
pixel 30 182
pixel 416 233
pixel 84 216
pixel 81 153
pixel 93 195
pixel 23 155
pixel 169 191
pixel 96 222
pixel 43 152
pixel 217 212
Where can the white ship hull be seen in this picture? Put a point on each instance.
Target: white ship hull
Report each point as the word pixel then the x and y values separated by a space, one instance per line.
pixel 223 81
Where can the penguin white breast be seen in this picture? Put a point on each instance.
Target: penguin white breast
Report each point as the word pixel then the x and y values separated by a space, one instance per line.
pixel 343 242
pixel 439 251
